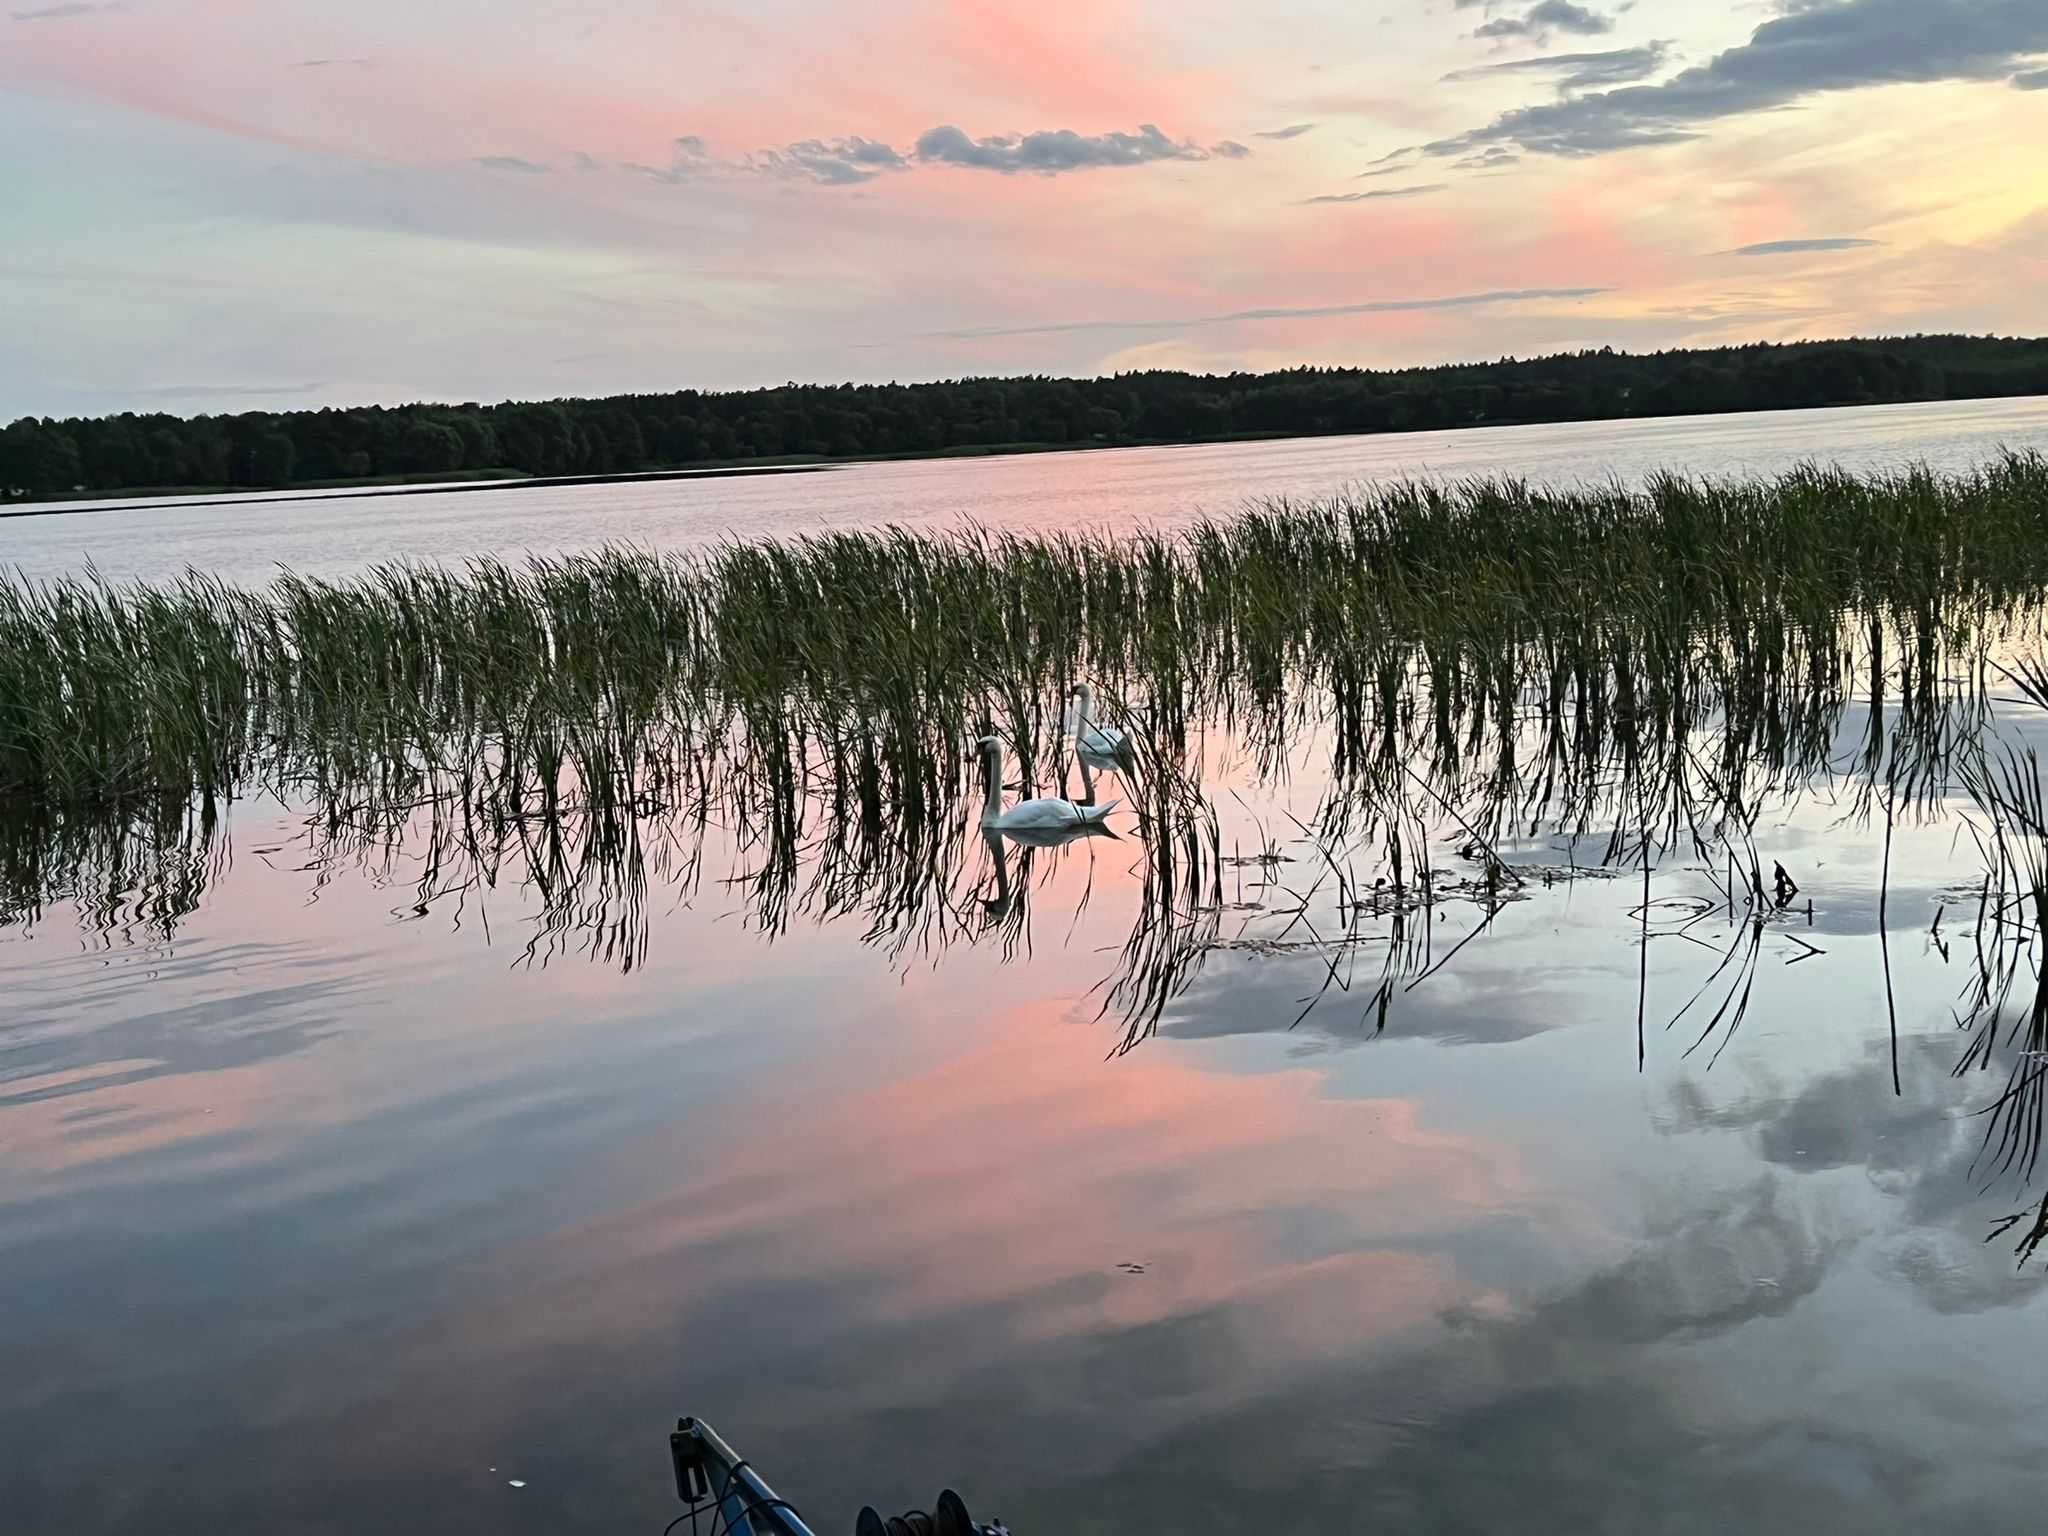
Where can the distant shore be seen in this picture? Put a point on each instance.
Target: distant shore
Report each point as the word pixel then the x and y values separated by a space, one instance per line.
pixel 165 498
pixel 401 449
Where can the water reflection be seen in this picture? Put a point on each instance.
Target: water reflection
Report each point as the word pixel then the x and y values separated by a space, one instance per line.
pixel 1444 793
pixel 360 1187
pixel 1441 804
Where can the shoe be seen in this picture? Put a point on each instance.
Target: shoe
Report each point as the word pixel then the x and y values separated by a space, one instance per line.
pixel 952 1517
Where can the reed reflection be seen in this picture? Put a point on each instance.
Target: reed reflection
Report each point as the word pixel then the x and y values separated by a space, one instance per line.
pixel 1466 681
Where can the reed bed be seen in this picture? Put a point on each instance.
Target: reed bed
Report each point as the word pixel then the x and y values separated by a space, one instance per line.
pixel 1474 662
pixel 888 645
pixel 1478 656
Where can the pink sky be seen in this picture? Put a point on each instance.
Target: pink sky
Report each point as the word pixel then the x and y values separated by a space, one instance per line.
pixel 221 204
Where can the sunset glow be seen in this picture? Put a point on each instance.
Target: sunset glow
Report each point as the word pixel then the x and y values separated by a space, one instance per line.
pixel 219 204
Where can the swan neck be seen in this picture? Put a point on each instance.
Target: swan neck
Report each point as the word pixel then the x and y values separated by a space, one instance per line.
pixel 992 799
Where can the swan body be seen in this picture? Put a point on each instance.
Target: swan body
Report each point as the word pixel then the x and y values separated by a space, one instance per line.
pixel 1060 836
pixel 1046 814
pixel 1097 745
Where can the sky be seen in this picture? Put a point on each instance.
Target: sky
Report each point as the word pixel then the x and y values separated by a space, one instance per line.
pixel 224 205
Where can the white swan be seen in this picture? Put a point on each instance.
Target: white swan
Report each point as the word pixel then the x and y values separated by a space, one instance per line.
pixel 1098 746
pixel 1046 814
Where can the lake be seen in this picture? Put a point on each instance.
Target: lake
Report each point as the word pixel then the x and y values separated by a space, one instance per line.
pixel 246 542
pixel 361 1171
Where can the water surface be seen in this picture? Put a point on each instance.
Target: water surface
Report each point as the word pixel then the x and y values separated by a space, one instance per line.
pixel 344 1182
pixel 1117 489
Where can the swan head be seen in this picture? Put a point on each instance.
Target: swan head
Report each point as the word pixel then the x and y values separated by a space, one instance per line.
pixel 989 744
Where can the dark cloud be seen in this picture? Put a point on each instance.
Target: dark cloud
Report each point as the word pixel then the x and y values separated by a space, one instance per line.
pixel 1747 1256
pixel 1247 994
pixel 1920 1147
pixel 852 160
pixel 1378 193
pixel 584 162
pixel 155 1038
pixel 1546 18
pixel 1494 157
pixel 689 158
pixel 1613 1407
pixel 1578 71
pixel 1052 151
pixel 1791 247
pixel 1305 312
pixel 1836 47
pixel 67 12
pixel 1291 131
pixel 513 163
pixel 2032 80
pixel 831 162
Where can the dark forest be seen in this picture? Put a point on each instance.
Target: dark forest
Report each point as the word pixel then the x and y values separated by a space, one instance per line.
pixel 626 433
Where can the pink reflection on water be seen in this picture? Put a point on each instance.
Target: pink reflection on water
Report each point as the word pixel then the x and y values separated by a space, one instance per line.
pixel 1075 1194
pixel 72 1120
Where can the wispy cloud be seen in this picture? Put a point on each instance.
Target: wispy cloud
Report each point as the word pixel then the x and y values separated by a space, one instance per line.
pixel 1053 151
pixel 1577 71
pixel 1793 247
pixel 513 163
pixel 1548 17
pixel 1291 131
pixel 689 157
pixel 1306 312
pixel 1838 46
pixel 1495 157
pixel 853 160
pixel 1378 193
pixel 70 11
pixel 357 63
pixel 226 391
pixel 2032 80
pixel 829 162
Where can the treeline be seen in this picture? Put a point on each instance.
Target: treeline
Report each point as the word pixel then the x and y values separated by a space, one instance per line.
pixel 647 432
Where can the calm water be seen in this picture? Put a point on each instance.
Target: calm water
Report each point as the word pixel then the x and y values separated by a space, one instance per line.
pixel 1117 489
pixel 347 1191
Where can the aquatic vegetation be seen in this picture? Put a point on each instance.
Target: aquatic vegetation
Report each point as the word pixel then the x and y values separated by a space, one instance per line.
pixel 2005 1003
pixel 1496 691
pixel 1479 656
pixel 1642 614
pixel 1633 674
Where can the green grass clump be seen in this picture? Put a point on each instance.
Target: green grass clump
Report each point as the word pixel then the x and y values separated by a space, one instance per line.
pixel 1636 610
